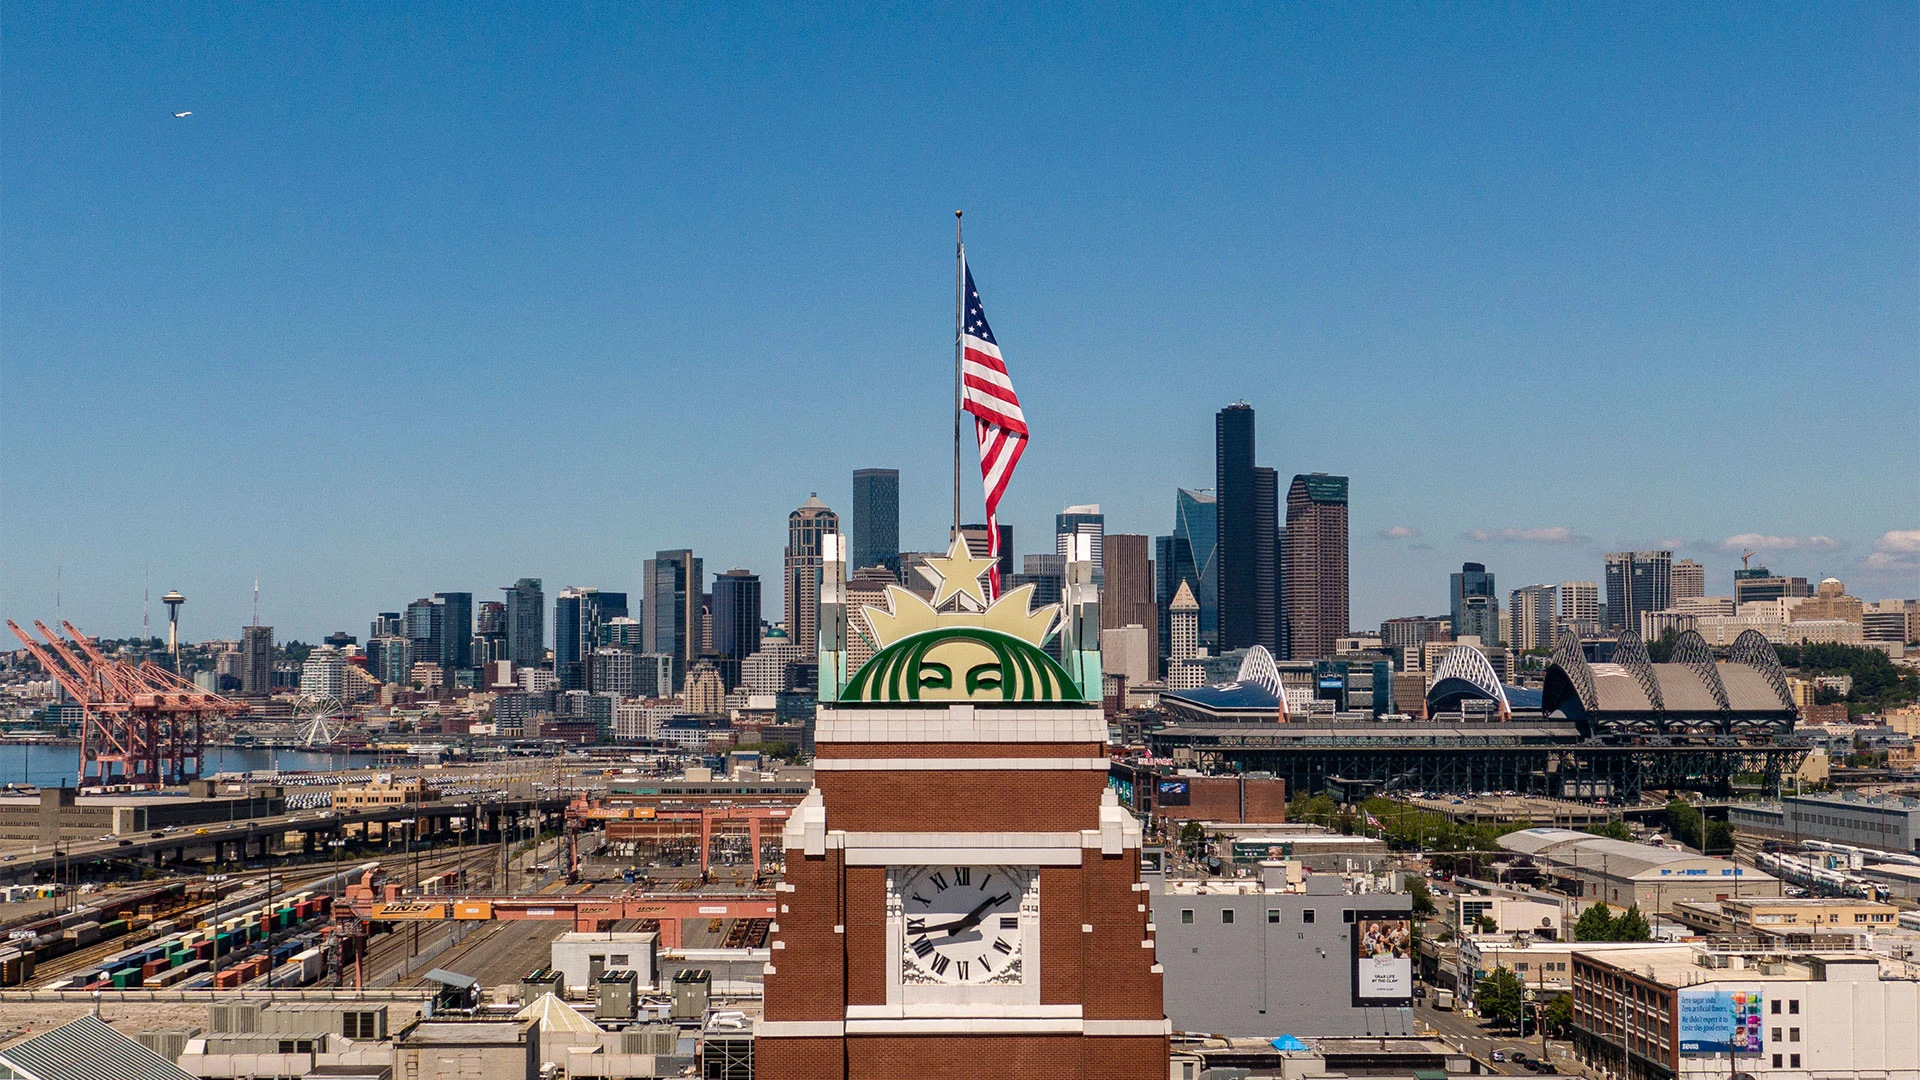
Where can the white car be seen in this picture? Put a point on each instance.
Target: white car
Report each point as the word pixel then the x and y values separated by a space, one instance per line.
pixel 105 838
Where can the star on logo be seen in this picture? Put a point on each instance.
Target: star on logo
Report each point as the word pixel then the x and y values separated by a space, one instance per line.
pixel 958 575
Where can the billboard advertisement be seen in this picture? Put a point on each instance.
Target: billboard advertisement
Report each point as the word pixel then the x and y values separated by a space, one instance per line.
pixel 1175 793
pixel 1382 958
pixel 1721 1022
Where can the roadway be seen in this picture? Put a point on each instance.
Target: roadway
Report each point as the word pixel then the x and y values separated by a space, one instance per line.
pixel 1474 1036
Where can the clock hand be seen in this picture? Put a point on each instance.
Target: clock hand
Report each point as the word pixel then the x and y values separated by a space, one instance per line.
pixel 972 918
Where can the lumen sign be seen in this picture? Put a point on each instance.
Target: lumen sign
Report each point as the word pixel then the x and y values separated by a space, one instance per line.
pixel 1721 1022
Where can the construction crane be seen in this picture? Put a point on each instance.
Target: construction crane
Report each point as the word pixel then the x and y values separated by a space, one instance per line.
pixel 141 725
pixel 1745 556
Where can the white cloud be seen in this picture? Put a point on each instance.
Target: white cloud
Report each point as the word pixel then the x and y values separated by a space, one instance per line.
pixel 1399 532
pixel 1745 542
pixel 1557 534
pixel 1897 551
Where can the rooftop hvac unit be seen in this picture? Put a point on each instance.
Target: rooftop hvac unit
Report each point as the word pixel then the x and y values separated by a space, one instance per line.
pixel 691 989
pixel 226 1017
pixel 659 1040
pixel 618 995
pixel 169 1043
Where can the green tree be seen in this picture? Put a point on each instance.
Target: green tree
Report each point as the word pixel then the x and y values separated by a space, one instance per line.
pixel 1500 997
pixel 1612 830
pixel 1631 926
pixel 1558 1016
pixel 1422 897
pixel 1595 924
pixel 1684 822
pixel 1193 839
pixel 1662 650
pixel 1486 925
pixel 1719 838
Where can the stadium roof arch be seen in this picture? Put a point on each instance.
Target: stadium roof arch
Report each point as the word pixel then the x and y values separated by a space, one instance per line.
pixel 1464 674
pixel 1690 695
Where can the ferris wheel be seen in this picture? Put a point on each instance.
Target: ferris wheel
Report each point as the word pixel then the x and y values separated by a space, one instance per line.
pixel 319 719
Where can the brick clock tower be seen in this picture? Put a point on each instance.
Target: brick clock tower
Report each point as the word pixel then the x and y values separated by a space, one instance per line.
pixel 962 893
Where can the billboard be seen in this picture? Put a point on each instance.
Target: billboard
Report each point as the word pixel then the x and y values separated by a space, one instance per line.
pixel 1175 793
pixel 1382 958
pixel 1721 1022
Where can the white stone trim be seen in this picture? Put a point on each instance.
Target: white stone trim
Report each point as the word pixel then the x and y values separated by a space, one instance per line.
pixel 961 724
pixel 1091 764
pixel 799 1029
pixel 1162 1026
pixel 967 1025
pixel 963 848
pixel 958 1010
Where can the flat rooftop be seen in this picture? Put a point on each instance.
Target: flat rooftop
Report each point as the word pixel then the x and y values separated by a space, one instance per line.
pixel 464 1032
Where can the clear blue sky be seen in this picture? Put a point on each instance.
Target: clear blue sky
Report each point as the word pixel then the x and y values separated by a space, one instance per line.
pixel 429 297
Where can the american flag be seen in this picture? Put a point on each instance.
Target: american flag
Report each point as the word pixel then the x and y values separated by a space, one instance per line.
pixel 987 393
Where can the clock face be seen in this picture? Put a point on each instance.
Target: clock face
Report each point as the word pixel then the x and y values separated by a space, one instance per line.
pixel 963 924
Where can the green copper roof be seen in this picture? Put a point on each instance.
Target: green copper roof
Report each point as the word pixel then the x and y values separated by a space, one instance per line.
pixel 1322 488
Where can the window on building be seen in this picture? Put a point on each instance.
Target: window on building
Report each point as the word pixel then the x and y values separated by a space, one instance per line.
pixel 1776 1035
pixel 1793 1006
pixel 1776 1061
pixel 1306 915
pixel 1776 1006
pixel 1273 915
pixel 1226 915
pixel 1346 915
pixel 1793 1061
pixel 1793 1034
pixel 620 960
pixel 1186 919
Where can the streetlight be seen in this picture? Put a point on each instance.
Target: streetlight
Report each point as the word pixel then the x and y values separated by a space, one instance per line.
pixel 411 835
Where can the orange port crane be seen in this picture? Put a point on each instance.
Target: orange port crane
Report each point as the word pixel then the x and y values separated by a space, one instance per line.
pixel 140 723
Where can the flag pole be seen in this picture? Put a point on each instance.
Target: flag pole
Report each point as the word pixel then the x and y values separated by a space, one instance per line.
pixel 959 348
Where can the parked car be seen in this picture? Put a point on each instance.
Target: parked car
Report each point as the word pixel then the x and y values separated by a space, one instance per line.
pixel 1499 1055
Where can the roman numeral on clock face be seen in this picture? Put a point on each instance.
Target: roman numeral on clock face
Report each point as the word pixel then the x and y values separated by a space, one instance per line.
pixel 960 970
pixel 984 966
pixel 940 882
pixel 1009 922
pixel 1000 946
pixel 940 965
pixel 916 924
pixel 923 947
pixel 962 875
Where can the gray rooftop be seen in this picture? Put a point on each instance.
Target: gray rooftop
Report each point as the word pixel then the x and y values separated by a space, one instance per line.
pixel 87 1049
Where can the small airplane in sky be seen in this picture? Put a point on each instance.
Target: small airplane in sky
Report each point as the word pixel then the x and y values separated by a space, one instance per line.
pixel 183 115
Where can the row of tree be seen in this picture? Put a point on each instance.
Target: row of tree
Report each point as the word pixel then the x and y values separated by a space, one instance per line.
pixel 1599 923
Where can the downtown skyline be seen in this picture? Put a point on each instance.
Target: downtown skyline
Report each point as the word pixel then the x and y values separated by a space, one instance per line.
pixel 565 309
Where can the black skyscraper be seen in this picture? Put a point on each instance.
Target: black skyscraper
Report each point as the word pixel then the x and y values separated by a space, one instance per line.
pixel 526 623
pixel 736 621
pixel 456 641
pixel 1239 548
pixel 876 519
pixel 1266 561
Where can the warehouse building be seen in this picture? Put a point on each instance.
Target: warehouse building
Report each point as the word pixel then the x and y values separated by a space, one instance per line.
pixel 1621 873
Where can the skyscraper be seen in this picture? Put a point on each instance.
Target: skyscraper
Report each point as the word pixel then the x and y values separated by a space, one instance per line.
pixel 1235 601
pixel 576 629
pixel 1269 620
pixel 1534 610
pixel 526 623
pixel 256 660
pixel 807 527
pixel 1083 520
pixel 1579 608
pixel 427 629
pixel 1172 568
pixel 385 623
pixel 1127 599
pixel 1481 619
pixel 876 519
pixel 490 632
pixel 1637 581
pixel 1185 624
pixel 456 639
pixel 671 609
pixel 1315 574
pixel 1196 520
pixel 736 622
pixel 1689 579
